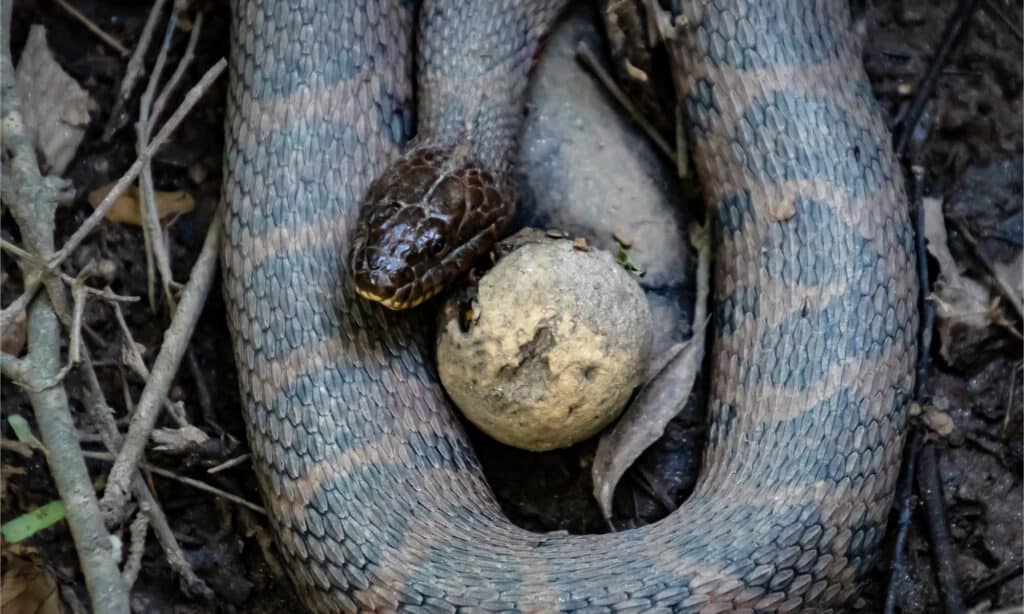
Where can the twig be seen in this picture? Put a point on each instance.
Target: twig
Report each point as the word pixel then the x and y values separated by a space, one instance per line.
pixel 134 361
pixel 21 449
pixel 75 343
pixel 164 368
pixel 998 578
pixel 203 486
pixel 957 26
pixel 136 67
pixel 58 433
pixel 926 306
pixel 234 462
pixel 11 312
pixel 102 417
pixel 904 495
pixel 32 199
pixel 682 146
pixel 202 391
pixel 179 72
pixel 156 248
pixel 132 173
pixel 930 489
pixel 35 261
pixel 590 61
pixel 1010 398
pixel 95 29
pixel 137 546
pixel 992 9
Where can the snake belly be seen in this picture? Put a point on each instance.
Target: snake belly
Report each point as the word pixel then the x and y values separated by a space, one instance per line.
pixel 376 498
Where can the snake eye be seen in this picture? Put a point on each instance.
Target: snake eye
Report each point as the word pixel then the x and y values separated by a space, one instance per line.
pixel 437 246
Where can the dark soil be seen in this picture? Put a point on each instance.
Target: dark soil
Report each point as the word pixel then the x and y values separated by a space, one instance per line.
pixel 968 144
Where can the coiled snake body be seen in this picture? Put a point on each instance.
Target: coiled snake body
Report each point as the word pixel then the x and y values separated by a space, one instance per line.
pixel 376 498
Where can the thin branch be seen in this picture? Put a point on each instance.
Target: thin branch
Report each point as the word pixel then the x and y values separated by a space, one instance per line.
pixel 202 391
pixel 95 29
pixel 137 546
pixel 132 173
pixel 58 433
pixel 179 72
pixel 134 361
pixel 925 304
pixel 904 496
pixel 102 417
pixel 164 368
pixel 32 199
pixel 12 367
pixel 136 68
pixel 228 464
pixel 956 29
pixel 1011 25
pixel 166 473
pixel 156 247
pixel 943 554
pixel 590 61
pixel 11 312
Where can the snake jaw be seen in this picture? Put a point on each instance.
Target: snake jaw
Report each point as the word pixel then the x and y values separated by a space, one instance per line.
pixel 393 303
pixel 431 282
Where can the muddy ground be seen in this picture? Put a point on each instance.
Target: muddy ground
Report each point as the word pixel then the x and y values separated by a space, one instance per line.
pixel 967 145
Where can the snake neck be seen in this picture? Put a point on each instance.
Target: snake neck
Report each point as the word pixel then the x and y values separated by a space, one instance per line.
pixel 474 63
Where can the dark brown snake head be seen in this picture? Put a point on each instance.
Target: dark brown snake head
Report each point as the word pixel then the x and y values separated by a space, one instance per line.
pixel 422 224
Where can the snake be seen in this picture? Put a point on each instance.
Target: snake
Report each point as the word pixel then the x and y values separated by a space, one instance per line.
pixel 374 494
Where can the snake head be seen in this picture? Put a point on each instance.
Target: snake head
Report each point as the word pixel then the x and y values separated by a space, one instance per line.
pixel 422 224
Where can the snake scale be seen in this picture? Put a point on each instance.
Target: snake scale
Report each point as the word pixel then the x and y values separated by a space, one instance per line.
pixel 376 498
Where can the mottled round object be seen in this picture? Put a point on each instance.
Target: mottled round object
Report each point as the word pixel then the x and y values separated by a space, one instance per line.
pixel 549 349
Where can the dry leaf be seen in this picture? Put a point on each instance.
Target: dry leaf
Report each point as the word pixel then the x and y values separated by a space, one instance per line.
pixel 938 421
pixel 1010 276
pixel 959 300
pixel 12 338
pixel 55 108
pixel 126 207
pixel 660 399
pixel 28 589
pixel 178 440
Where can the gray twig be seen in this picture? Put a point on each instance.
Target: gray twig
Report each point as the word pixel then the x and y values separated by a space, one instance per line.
pixel 588 59
pixel 95 29
pixel 166 473
pixel 179 72
pixel 164 368
pixel 134 361
pixel 102 417
pixel 132 173
pixel 136 68
pixel 156 248
pixel 137 546
pixel 32 199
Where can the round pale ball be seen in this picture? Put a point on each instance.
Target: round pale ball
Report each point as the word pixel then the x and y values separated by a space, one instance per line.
pixel 548 347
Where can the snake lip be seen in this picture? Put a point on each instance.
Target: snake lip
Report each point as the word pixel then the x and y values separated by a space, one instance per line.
pixel 429 283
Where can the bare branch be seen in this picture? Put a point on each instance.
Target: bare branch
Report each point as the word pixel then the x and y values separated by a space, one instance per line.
pixel 132 173
pixel 164 368
pixel 95 29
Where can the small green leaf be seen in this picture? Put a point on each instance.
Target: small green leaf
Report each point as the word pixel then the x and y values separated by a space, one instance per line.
pixel 29 524
pixel 622 258
pixel 22 430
